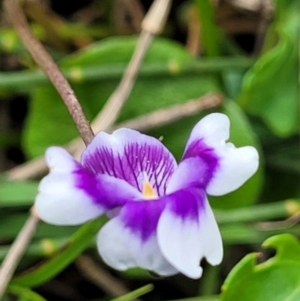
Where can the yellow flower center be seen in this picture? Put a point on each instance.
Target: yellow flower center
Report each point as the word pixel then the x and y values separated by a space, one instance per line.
pixel 148 191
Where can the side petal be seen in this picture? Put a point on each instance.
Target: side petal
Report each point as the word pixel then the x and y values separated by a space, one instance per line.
pixel 211 163
pixel 237 165
pixel 187 232
pixel 129 240
pixel 70 195
pixel 131 156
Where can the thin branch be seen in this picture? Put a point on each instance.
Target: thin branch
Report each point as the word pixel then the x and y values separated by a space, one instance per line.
pixel 152 24
pixel 93 272
pixel 45 61
pixel 16 251
pixel 37 167
pixel 111 110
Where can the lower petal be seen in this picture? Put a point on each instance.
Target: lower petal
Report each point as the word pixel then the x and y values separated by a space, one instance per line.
pixel 129 240
pixel 70 195
pixel 187 232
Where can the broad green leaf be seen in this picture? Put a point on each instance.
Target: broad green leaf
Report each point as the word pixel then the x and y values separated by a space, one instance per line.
pixel 49 122
pixel 270 88
pixel 13 194
pixel 276 279
pixel 76 245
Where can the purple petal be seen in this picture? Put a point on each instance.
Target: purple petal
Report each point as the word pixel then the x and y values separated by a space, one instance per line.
pixel 71 195
pixel 129 240
pixel 131 156
pixel 210 163
pixel 187 232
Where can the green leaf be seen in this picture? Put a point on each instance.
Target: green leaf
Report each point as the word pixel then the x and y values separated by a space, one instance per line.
pixel 49 122
pixel 76 245
pixel 13 194
pixel 277 279
pixel 270 88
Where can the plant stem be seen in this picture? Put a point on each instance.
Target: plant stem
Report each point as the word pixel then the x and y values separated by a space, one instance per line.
pixel 260 212
pixel 27 80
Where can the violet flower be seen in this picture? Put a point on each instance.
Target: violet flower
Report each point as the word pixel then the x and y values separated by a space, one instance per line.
pixel 160 216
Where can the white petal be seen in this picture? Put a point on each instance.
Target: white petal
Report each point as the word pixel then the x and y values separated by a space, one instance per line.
pixel 226 167
pixel 213 128
pixel 59 201
pixel 236 166
pixel 184 242
pixel 121 249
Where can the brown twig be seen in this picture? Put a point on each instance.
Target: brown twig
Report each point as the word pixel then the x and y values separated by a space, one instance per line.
pixel 93 272
pixel 45 61
pixel 16 251
pixel 37 167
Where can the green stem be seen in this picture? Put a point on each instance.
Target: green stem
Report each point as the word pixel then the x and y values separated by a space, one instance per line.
pixel 251 234
pixel 209 283
pixel 261 212
pixel 26 80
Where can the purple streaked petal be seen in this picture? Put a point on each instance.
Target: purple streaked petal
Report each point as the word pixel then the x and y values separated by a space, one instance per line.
pixel 212 130
pixel 209 162
pixel 187 232
pixel 131 156
pixel 70 195
pixel 192 172
pixel 105 190
pixel 129 240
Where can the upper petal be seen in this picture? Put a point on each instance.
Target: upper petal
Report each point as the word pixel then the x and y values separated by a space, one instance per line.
pixel 211 163
pixel 129 155
pixel 129 239
pixel 187 232
pixel 71 195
